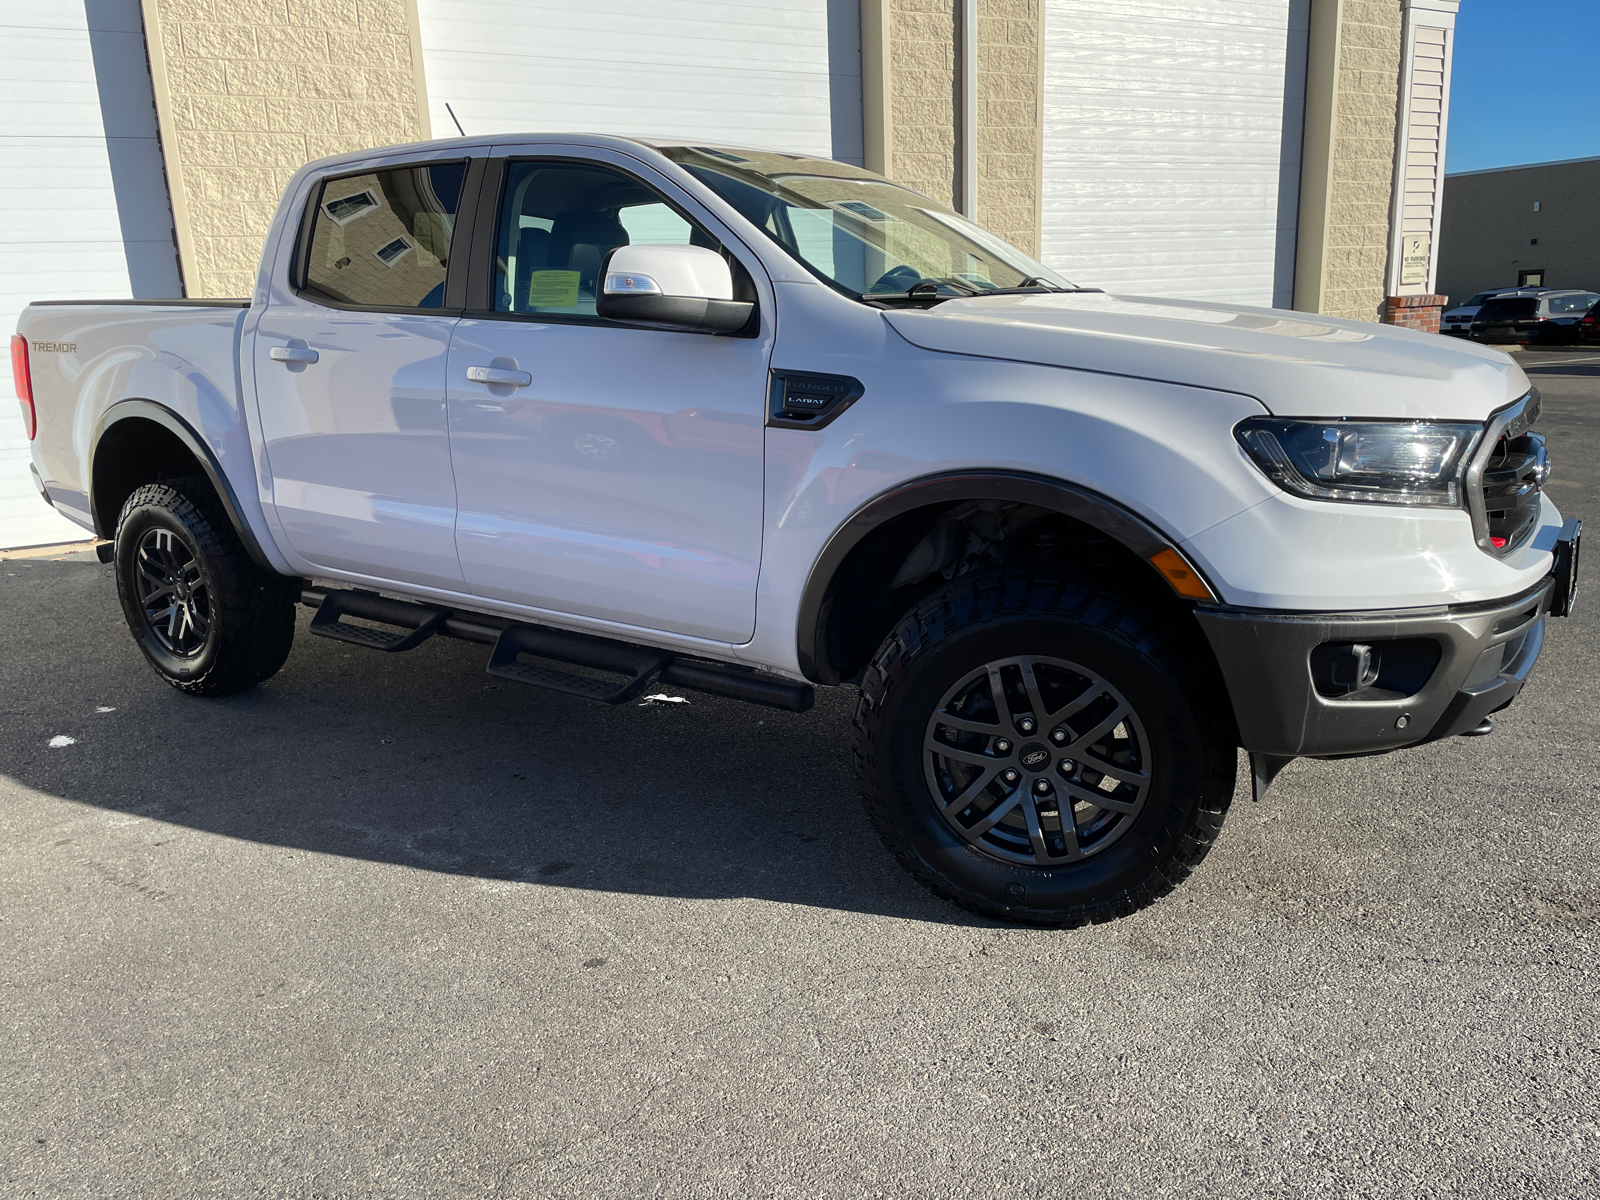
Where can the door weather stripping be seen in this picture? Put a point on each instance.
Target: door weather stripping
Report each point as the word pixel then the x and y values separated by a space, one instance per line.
pixel 620 670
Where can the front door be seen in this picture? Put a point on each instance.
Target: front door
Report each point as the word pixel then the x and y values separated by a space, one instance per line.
pixel 603 470
pixel 350 378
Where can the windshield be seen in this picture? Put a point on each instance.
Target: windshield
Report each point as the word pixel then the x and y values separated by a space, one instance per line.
pixel 866 236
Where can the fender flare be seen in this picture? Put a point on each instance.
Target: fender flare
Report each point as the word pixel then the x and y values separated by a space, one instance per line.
pixel 149 410
pixel 1097 511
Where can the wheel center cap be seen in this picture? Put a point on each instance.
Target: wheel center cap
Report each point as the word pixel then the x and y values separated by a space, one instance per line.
pixel 1034 756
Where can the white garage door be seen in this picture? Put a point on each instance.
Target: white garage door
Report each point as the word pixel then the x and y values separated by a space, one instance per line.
pixel 82 192
pixel 782 74
pixel 1172 145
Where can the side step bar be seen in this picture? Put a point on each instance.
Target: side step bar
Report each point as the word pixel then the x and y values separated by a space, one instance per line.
pixel 641 666
pixel 423 621
pixel 580 650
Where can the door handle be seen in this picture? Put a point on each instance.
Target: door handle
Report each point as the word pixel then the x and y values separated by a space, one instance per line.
pixel 292 354
pixel 499 375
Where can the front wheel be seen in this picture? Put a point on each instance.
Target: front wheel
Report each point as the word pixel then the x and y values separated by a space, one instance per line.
pixel 208 619
pixel 1040 751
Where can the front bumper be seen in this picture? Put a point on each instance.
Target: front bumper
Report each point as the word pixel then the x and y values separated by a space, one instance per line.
pixel 1323 685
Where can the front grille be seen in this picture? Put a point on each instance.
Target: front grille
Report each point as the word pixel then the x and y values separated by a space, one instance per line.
pixel 1509 479
pixel 1512 481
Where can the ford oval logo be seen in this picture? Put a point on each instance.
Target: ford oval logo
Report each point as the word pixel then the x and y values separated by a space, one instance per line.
pixel 1034 758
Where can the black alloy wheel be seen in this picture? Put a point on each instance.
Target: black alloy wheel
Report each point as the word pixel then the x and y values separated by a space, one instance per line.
pixel 1043 751
pixel 172 593
pixel 1037 760
pixel 205 616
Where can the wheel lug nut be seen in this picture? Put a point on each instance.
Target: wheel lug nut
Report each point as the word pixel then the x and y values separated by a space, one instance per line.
pixel 1066 766
pixel 1042 786
pixel 1003 746
pixel 1011 776
pixel 1026 724
pixel 1058 736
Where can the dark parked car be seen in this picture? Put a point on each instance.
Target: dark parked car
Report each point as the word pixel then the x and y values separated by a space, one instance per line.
pixel 1589 327
pixel 1457 321
pixel 1550 319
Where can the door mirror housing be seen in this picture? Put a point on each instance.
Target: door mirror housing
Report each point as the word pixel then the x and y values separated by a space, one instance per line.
pixel 671 287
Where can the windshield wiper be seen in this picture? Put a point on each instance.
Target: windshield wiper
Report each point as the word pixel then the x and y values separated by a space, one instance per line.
pixel 925 291
pixel 1034 284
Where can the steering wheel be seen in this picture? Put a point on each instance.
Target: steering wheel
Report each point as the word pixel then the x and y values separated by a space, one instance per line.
pixel 898 279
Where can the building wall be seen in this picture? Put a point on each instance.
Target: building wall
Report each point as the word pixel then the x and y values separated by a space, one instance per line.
pixel 82 190
pixel 1172 145
pixel 781 74
pixel 1488 226
pixel 248 91
pixel 922 97
pixel 1010 104
pixel 1362 177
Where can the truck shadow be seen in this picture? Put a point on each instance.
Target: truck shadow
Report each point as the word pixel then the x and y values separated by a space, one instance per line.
pixel 421 760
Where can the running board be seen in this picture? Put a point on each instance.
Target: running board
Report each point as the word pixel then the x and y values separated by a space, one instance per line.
pixel 419 621
pixel 640 666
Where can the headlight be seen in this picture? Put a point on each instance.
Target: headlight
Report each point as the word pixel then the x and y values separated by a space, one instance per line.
pixel 1377 462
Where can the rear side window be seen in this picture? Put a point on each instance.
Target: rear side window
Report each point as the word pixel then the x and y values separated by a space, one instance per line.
pixel 1511 308
pixel 382 239
pixel 1571 304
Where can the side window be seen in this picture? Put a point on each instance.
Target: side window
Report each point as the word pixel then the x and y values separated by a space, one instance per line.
pixel 1571 304
pixel 558 221
pixel 382 239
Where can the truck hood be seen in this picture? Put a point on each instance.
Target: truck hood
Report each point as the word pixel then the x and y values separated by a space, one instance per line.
pixel 1296 364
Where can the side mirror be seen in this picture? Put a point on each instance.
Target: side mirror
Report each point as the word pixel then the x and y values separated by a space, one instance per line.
pixel 675 287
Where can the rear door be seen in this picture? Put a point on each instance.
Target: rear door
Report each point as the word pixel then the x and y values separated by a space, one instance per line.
pixel 350 377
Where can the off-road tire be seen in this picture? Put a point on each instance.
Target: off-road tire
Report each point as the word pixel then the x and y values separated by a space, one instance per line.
pixel 251 611
pixel 983 617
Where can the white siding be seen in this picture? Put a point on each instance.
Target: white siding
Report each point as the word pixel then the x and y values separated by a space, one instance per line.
pixel 1418 178
pixel 84 198
pixel 784 74
pixel 1172 136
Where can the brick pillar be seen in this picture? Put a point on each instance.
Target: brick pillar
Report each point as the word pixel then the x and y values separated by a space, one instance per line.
pixel 1415 312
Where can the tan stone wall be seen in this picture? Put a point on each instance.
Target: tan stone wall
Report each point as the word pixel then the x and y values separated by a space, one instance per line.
pixel 1362 183
pixel 1009 111
pixel 248 91
pixel 922 113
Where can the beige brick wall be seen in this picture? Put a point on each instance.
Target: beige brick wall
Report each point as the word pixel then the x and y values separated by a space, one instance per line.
pixel 921 108
pixel 1362 176
pixel 1010 87
pixel 248 91
pixel 922 96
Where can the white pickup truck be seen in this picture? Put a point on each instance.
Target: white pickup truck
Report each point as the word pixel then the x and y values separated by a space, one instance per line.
pixel 751 422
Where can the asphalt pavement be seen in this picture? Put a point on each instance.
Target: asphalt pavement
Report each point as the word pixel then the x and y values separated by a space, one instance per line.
pixel 385 926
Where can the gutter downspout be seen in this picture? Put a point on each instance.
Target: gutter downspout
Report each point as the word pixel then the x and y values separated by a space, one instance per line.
pixel 967 109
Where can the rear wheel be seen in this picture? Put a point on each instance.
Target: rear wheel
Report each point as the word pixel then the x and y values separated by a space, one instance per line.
pixel 208 619
pixel 1041 751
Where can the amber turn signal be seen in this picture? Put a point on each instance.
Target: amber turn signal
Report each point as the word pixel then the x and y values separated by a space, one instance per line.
pixel 1180 575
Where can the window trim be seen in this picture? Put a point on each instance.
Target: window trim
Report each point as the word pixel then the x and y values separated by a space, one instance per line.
pixel 301 262
pixel 477 301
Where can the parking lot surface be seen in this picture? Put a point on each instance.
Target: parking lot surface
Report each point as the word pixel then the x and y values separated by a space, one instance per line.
pixel 385 926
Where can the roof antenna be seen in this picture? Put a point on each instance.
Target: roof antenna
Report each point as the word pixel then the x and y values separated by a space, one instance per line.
pixel 455 118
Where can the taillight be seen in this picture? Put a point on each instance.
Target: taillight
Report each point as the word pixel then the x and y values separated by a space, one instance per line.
pixel 23 380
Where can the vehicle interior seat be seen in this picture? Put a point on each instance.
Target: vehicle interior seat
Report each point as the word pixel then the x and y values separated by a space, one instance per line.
pixel 580 241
